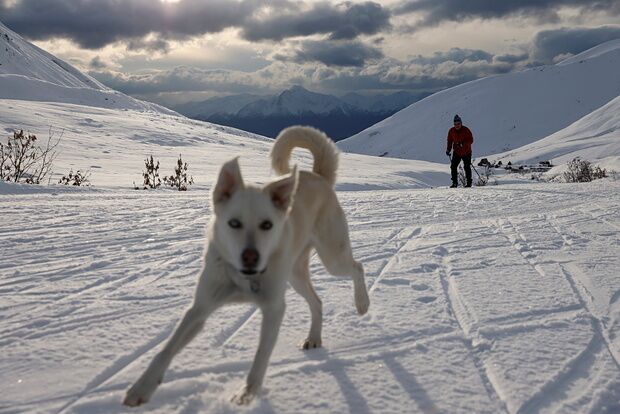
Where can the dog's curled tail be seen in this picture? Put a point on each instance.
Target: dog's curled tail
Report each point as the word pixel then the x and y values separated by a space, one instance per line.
pixel 322 148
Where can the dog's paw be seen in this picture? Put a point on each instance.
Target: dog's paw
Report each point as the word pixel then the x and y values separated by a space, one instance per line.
pixel 140 393
pixel 309 343
pixel 245 395
pixel 362 301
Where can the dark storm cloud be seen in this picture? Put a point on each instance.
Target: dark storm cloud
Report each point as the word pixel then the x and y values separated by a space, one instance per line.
pixel 95 23
pixel 512 58
pixel 149 45
pixel 437 11
pixel 550 44
pixel 454 55
pixel 341 21
pixel 350 53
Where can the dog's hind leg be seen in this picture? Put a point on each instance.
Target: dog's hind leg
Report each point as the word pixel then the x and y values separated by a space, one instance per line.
pixel 332 243
pixel 301 282
pixel 207 300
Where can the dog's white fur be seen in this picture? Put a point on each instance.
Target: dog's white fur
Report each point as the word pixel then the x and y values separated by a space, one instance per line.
pixel 303 213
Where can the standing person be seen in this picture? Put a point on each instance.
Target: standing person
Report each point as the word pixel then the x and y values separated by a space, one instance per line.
pixel 460 138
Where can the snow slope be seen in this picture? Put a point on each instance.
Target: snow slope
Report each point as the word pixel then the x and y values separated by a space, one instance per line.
pixel 504 112
pixel 27 72
pixel 594 137
pixel 475 306
pixel 113 143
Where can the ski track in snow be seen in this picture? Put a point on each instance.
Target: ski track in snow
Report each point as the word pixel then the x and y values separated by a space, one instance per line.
pixel 495 299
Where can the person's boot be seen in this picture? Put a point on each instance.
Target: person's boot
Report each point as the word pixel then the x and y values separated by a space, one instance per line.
pixel 468 184
pixel 453 185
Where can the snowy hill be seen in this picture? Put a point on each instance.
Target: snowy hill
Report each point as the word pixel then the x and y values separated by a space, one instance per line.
pixel 382 103
pixel 113 143
pixel 504 112
pixel 29 73
pixel 594 137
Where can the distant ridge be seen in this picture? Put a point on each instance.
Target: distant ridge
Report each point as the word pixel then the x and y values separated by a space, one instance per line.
pixel 339 117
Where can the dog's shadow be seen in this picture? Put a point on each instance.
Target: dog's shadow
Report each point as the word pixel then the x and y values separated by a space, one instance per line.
pixel 337 368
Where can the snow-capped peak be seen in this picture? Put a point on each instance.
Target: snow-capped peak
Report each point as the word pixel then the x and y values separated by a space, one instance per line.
pixel 296 100
pixel 22 58
pixel 30 73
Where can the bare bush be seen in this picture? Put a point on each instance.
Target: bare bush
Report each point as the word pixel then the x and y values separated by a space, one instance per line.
pixel 77 179
pixel 150 175
pixel 22 160
pixel 179 180
pixel 582 171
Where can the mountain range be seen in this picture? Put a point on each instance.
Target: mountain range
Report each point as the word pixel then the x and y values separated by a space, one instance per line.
pixel 339 117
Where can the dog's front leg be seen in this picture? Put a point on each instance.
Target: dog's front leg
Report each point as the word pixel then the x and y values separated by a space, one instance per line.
pixel 208 299
pixel 270 327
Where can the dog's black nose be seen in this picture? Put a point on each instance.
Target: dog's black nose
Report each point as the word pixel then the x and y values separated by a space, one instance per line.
pixel 250 258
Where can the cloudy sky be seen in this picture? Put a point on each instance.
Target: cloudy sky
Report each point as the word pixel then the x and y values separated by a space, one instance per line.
pixel 172 51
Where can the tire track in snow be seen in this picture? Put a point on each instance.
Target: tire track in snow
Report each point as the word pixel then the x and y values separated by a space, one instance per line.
pixel 225 337
pixel 600 218
pixel 474 344
pixel 555 389
pixel 581 285
pixel 558 386
pixel 576 279
pixel 412 232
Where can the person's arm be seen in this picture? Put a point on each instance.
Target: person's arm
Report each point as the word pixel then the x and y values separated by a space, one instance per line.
pixel 470 137
pixel 449 147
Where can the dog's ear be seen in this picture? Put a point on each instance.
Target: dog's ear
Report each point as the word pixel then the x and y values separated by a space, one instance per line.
pixel 282 191
pixel 228 181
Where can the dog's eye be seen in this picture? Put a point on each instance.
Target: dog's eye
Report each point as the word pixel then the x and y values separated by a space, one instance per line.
pixel 234 223
pixel 266 225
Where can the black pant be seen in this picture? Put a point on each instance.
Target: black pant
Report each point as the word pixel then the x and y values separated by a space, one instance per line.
pixel 454 165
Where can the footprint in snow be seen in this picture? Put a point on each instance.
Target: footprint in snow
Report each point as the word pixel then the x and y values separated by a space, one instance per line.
pixel 440 251
pixel 420 287
pixel 395 281
pixel 427 299
pixel 428 267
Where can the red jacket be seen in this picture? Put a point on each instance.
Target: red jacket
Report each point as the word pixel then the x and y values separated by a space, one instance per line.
pixel 460 140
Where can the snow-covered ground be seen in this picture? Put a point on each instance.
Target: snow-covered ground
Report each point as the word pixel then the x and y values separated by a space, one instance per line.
pixel 492 299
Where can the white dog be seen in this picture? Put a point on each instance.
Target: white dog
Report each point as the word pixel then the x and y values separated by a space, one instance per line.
pixel 258 240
